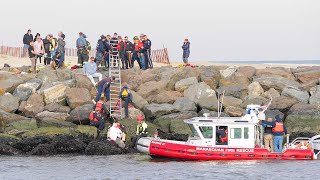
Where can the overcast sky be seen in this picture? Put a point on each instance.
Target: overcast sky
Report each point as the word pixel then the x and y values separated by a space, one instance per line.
pixel 217 29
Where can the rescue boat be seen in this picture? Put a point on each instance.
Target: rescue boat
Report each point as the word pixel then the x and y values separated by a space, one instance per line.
pixel 244 141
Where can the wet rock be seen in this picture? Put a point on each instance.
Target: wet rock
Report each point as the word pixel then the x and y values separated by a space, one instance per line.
pixel 246 71
pixel 165 97
pixel 6 118
pixel 77 96
pixel 138 101
pixel 152 88
pixel 50 122
pixel 182 73
pixel 283 103
pixel 184 84
pixel 52 115
pixel 80 113
pixel 9 81
pixel 55 94
pixel 315 96
pixel 9 103
pixel 28 144
pixel 33 106
pixel 24 91
pixel 103 148
pixel 276 82
pixel 184 104
pixel 255 90
pixel 294 92
pixel 66 144
pixel 7 139
pixel 153 111
pixel 228 72
pixel 172 136
pixel 44 150
pixel 210 76
pixel 55 107
pixel 83 81
pixel 275 71
pixel 234 111
pixel 231 101
pixel 89 131
pixel 202 95
pixel 271 92
pixel 179 127
pixel 308 76
pixel 8 150
pixel 48 132
pixel 165 121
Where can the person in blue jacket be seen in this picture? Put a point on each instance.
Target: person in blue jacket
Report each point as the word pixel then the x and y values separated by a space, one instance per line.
pixel 104 87
pixel 278 132
pixel 186 50
pixel 126 96
pixel 101 49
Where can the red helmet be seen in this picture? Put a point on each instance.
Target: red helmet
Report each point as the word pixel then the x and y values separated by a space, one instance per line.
pixel 140 118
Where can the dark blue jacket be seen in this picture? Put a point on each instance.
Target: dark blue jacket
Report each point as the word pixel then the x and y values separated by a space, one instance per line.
pixel 147 45
pixel 278 119
pixel 101 47
pixel 268 126
pixel 186 49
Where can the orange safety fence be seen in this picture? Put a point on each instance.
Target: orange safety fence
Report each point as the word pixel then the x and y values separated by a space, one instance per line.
pixel 158 55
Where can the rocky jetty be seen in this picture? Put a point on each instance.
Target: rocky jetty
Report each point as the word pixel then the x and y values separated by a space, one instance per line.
pixel 47 113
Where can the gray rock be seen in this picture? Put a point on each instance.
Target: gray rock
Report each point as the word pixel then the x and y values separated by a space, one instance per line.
pixel 82 81
pixel 212 113
pixel 51 122
pixel 80 113
pixel 24 91
pixel 55 107
pixel 55 94
pixel 276 82
pixel 258 100
pixel 283 103
pixel 77 96
pixel 52 115
pixel 138 101
pixel 9 81
pixel 9 103
pixel 275 71
pixel 271 92
pixel 228 72
pixel 184 84
pixel 70 83
pixel 234 91
pixel 273 113
pixel 184 104
pixel 234 111
pixel 153 111
pixel 255 90
pixel 165 97
pixel 7 118
pixel 33 106
pixel 202 95
pixel 165 121
pixel 47 76
pixel 315 97
pixel 182 73
pixel 231 101
pixel 64 74
pixel 247 71
pixel 152 88
pixel 210 76
pixel 302 96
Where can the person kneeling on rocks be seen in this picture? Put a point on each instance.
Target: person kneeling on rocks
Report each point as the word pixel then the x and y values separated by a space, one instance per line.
pixel 115 134
pixel 102 108
pixel 142 131
pixel 97 120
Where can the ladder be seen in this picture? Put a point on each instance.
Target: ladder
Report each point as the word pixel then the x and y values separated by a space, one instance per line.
pixel 115 86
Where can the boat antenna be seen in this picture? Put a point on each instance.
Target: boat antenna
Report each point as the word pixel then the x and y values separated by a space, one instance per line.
pixel 218 104
pixel 221 104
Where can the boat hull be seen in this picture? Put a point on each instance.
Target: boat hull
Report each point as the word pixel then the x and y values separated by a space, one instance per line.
pixel 163 149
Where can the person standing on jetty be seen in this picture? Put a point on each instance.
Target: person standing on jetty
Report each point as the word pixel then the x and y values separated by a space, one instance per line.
pixel 38 47
pixel 61 49
pixel 147 52
pixel 128 53
pixel 186 50
pixel 101 49
pixel 82 49
pixel 32 56
pixel 278 132
pixel 121 47
pixel 47 43
pixel 26 42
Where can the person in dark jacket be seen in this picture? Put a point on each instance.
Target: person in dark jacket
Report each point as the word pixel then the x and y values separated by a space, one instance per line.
pixel 104 87
pixel 186 50
pixel 147 52
pixel 278 132
pixel 122 52
pixel 96 119
pixel 61 49
pixel 47 49
pixel 26 42
pixel 268 137
pixel 82 47
pixel 108 51
pixel 101 49
pixel 128 53
pixel 126 96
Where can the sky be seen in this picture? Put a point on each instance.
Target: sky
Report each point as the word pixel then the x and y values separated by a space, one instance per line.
pixel 219 30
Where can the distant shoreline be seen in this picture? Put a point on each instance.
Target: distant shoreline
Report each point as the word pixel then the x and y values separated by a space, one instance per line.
pixel 269 62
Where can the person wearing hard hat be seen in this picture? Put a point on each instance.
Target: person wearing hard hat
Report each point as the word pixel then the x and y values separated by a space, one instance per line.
pixel 142 131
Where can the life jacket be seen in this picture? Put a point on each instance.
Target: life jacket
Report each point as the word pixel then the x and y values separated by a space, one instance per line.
pixel 54 44
pixel 124 93
pixel 278 127
pixel 119 45
pixel 138 45
pixel 142 128
pixel 225 139
pixel 92 118
pixel 99 105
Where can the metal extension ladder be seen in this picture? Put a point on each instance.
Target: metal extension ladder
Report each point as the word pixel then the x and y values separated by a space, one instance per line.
pixel 115 86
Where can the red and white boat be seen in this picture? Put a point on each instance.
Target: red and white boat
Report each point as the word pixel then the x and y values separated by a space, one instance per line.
pixel 244 141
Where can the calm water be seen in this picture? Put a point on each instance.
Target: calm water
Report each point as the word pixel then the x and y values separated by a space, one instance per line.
pixel 143 167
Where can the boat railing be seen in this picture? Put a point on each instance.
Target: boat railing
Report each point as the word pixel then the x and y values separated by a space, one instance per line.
pixel 301 143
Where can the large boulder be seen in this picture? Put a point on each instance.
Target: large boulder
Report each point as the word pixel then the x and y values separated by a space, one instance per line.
pixel 236 86
pixel 315 95
pixel 19 127
pixel 273 113
pixel 234 111
pixel 138 101
pixel 275 71
pixel 231 101
pixel 9 103
pixel 24 91
pixel 48 132
pixel 300 95
pixel 52 115
pixel 64 74
pixel 283 103
pixel 34 105
pixel 228 72
pixel 55 94
pixel 77 96
pixel 136 78
pixel 184 84
pixel 272 92
pixel 80 113
pixel 202 95
pixel 307 76
pixel 47 76
pixel 50 122
pixel 153 111
pixel 184 104
pixel 210 76
pixel 82 81
pixel 246 71
pixel 165 97
pixel 182 73
pixel 55 107
pixel 255 90
pixel 258 101
pixel 303 118
pixel 9 81
pixel 276 82
pixel 152 88
pixel 239 92
pixel 134 113
pixel 212 113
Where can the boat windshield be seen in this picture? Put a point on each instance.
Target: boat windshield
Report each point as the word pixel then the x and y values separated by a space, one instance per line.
pixel 193 130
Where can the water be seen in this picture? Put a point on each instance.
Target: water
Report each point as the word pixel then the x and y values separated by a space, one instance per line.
pixel 143 167
pixel 271 62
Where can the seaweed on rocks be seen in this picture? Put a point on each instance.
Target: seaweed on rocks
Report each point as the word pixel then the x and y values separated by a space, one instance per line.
pixel 8 150
pixel 27 145
pixel 7 140
pixel 103 148
pixel 172 136
pixel 66 144
pixel 44 150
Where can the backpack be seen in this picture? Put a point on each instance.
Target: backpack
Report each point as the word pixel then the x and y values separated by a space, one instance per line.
pixel 88 46
pixel 125 93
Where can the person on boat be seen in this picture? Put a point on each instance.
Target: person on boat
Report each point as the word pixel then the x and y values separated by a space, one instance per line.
pixel 223 135
pixel 278 132
pixel 142 131
pixel 268 136
pixel 96 119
